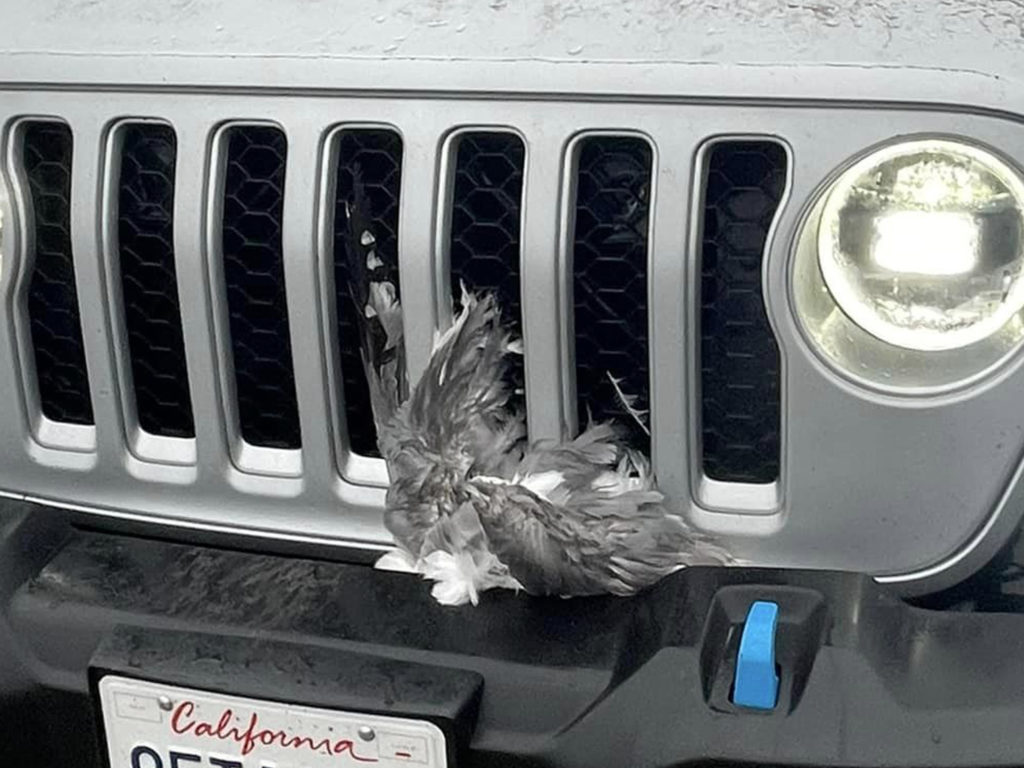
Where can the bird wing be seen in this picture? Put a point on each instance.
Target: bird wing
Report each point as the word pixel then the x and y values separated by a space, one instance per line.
pixel 612 535
pixel 458 410
pixel 528 535
pixel 372 287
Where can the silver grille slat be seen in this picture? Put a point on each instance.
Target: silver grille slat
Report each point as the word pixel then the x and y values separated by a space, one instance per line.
pixel 543 274
pixel 351 465
pixel 303 178
pixel 418 266
pixel 87 213
pixel 671 193
pixel 195 289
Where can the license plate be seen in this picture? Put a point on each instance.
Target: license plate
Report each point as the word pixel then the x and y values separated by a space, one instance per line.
pixel 150 725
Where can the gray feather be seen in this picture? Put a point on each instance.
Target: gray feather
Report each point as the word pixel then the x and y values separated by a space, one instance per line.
pixel 602 529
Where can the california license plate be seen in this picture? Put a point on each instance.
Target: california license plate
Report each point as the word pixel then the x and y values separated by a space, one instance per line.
pixel 150 725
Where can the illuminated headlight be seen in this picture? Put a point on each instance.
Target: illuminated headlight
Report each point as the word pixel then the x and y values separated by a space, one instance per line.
pixel 921 244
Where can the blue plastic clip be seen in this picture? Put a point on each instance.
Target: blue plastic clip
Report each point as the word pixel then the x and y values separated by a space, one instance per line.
pixel 757 682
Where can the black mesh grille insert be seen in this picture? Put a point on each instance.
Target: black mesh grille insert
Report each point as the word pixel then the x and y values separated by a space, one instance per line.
pixel 61 372
pixel 485 226
pixel 375 157
pixel 613 186
pixel 152 314
pixel 254 278
pixel 739 355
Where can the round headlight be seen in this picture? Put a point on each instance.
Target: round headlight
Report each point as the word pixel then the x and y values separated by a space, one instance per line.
pixel 921 244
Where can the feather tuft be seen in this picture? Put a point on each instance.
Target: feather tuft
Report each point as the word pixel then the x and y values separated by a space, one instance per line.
pixel 628 403
pixel 397 560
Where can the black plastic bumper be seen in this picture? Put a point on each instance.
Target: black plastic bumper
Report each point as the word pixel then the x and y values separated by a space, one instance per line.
pixel 866 680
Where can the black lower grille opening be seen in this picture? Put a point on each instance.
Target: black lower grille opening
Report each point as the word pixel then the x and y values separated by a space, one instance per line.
pixel 485 228
pixel 61 373
pixel 613 185
pixel 152 312
pixel 739 357
pixel 254 279
pixel 374 157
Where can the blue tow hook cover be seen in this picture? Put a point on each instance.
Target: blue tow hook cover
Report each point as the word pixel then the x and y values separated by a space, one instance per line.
pixel 757 682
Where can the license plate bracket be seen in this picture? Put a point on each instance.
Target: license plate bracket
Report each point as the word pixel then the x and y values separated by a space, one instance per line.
pixel 309 703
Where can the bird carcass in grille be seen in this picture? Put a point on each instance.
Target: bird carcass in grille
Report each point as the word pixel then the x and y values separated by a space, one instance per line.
pixel 473 506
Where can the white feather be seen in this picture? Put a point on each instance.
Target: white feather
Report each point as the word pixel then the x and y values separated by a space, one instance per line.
pixel 453 584
pixel 443 337
pixel 373 261
pixel 398 561
pixel 544 484
pixel 628 402
pixel 616 483
pixel 460 578
pixel 493 480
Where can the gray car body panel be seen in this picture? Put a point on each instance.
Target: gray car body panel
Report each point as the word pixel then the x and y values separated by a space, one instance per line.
pixel 917 490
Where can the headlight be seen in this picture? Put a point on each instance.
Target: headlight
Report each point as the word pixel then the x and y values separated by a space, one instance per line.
pixel 921 244
pixel 908 268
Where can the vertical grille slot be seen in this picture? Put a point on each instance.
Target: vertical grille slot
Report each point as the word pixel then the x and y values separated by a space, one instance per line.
pixel 486 215
pixel 374 156
pixel 61 373
pixel 254 281
pixel 739 357
pixel 152 312
pixel 613 185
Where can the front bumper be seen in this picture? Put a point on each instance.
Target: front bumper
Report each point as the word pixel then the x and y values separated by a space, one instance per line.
pixel 865 679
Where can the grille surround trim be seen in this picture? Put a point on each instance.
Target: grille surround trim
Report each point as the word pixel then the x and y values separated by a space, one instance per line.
pixel 77 441
pixel 486 146
pixel 352 466
pixel 53 305
pixel 144 445
pixel 567 238
pixel 709 493
pixel 248 458
pixel 449 152
pixel 738 354
pixel 376 155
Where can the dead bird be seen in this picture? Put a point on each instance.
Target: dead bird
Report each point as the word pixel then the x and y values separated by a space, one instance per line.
pixel 471 505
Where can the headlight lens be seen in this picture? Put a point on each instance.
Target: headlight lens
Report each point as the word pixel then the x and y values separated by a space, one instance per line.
pixel 921 244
